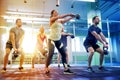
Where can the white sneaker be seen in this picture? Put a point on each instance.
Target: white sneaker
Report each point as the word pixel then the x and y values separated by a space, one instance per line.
pixel 3 70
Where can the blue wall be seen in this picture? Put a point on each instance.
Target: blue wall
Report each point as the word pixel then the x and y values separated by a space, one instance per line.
pixel 115 40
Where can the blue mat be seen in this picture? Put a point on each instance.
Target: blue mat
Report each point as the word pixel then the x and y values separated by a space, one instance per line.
pixel 111 71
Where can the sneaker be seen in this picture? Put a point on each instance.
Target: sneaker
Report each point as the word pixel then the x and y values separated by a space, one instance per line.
pixel 59 65
pixel 90 69
pixel 33 67
pixel 21 69
pixel 3 70
pixel 68 71
pixel 47 71
pixel 102 69
pixel 68 65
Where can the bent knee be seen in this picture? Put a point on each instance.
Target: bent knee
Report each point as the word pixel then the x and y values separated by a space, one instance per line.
pixel 100 51
pixel 91 50
pixel 22 54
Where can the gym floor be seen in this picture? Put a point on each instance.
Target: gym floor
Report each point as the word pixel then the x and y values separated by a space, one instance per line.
pixel 80 73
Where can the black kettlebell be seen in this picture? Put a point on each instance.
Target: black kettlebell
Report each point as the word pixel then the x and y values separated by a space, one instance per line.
pixel 15 55
pixel 77 16
pixel 105 49
pixel 72 36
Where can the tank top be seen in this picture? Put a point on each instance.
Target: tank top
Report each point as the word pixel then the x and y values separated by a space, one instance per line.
pixel 55 31
pixel 42 38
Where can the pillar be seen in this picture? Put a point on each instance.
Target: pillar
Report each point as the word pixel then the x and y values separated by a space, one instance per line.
pixel 69 48
pixel 3 8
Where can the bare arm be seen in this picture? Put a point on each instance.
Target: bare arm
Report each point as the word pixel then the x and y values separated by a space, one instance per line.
pixel 97 37
pixel 21 41
pixel 53 19
pixel 103 37
pixel 46 40
pixel 66 20
pixel 12 39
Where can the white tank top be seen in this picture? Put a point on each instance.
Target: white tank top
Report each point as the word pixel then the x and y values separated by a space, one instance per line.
pixel 55 31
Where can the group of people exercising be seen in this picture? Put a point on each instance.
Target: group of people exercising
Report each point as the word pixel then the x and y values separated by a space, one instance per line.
pixel 16 36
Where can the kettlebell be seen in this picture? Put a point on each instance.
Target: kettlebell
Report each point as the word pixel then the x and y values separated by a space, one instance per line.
pixel 15 55
pixel 77 16
pixel 105 49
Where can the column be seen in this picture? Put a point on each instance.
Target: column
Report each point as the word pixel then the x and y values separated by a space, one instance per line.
pixel 69 48
pixel 3 7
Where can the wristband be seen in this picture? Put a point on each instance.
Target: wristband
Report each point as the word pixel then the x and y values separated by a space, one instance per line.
pixel 106 42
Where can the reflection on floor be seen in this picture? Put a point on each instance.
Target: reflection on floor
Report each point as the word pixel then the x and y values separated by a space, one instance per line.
pixel 12 73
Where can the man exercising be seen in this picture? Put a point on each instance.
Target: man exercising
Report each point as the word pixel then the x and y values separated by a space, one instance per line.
pixel 95 34
pixel 15 41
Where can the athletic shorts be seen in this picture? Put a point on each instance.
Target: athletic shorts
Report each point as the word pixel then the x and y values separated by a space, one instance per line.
pixel 89 44
pixel 9 45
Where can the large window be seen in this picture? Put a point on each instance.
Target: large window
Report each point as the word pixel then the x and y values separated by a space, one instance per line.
pixel 77 44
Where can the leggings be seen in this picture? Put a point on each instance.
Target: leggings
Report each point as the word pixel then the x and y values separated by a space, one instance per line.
pixel 60 48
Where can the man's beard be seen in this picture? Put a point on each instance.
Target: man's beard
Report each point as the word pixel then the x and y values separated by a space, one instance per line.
pixel 19 25
pixel 97 23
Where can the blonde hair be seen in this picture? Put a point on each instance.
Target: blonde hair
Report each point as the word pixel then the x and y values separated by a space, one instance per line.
pixel 41 29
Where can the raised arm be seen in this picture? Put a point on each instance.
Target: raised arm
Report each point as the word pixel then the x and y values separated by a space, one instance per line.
pixel 66 20
pixel 53 19
pixel 71 16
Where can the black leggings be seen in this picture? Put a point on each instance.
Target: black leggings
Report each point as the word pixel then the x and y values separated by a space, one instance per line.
pixel 60 48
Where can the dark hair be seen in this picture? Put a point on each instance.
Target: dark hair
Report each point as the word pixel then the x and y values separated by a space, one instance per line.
pixel 17 20
pixel 94 18
pixel 52 13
